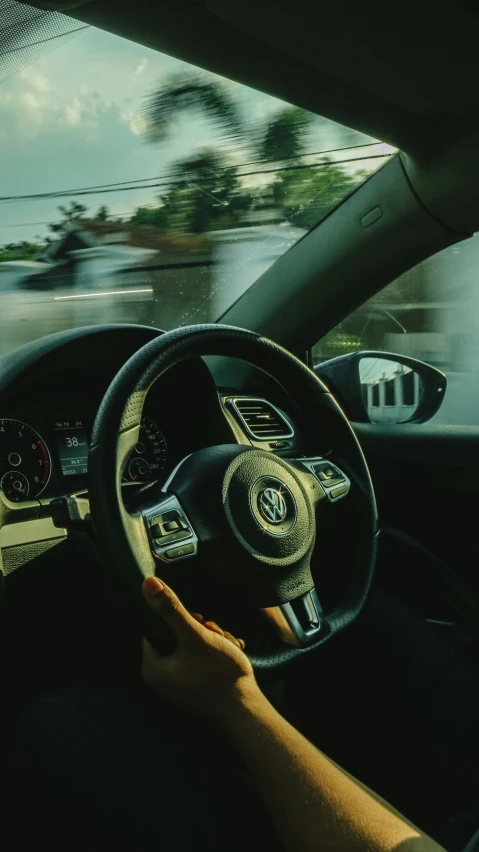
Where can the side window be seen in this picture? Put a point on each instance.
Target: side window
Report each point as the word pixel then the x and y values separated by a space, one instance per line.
pixel 430 313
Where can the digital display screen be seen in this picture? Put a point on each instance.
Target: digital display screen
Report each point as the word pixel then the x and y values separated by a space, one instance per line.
pixel 72 447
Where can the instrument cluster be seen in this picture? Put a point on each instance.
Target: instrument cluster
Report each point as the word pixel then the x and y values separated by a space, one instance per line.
pixel 27 460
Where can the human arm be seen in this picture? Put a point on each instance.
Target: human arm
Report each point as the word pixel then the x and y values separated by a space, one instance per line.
pixel 313 804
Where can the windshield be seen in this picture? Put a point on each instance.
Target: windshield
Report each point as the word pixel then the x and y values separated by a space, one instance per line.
pixel 138 188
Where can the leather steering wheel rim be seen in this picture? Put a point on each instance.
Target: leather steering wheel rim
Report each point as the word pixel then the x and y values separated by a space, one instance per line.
pixel 124 542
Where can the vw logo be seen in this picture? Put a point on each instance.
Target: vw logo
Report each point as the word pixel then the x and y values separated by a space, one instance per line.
pixel 272 505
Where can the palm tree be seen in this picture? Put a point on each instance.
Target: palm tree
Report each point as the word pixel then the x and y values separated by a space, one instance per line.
pixel 187 93
pixel 284 135
pixel 299 190
pixel 281 138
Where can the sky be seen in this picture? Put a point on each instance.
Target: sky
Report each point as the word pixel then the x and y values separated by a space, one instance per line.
pixel 373 369
pixel 73 119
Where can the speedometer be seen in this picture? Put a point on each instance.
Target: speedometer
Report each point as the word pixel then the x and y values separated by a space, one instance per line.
pixel 25 464
pixel 149 457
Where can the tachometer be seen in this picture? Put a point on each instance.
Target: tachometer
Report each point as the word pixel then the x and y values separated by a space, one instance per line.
pixel 25 463
pixel 149 457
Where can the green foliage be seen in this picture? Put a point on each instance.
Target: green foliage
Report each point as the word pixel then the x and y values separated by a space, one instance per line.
pixel 336 342
pixel 186 93
pixel 150 216
pixel 209 192
pixel 72 213
pixel 306 195
pixel 20 251
pixel 206 195
pixel 284 135
pixel 103 213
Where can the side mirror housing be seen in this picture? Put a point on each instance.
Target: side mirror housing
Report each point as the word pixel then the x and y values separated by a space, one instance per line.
pixel 381 387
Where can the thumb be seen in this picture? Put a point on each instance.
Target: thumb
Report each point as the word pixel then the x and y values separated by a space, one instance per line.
pixel 163 600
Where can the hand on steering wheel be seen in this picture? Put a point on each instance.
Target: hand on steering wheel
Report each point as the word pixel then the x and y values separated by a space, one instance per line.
pixel 208 672
pixel 257 555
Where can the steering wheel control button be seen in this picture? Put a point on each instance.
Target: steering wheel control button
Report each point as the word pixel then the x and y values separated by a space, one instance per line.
pixel 181 550
pixel 339 492
pixel 163 540
pixel 167 525
pixel 273 505
pixel 329 476
pixel 300 621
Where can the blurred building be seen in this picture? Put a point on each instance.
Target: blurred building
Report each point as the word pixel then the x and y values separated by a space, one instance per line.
pixel 392 398
pixel 14 273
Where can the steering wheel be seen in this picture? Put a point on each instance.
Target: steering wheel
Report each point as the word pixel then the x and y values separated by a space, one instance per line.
pixel 238 521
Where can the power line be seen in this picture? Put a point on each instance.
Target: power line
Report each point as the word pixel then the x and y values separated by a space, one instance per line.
pixel 75 190
pixel 171 180
pixel 51 222
pixel 24 224
pixel 319 153
pixel 315 165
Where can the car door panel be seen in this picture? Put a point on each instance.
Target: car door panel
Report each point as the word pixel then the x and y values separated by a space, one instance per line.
pixel 425 478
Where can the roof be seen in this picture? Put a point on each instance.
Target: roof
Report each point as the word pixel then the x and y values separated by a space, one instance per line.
pixel 75 238
pixel 29 266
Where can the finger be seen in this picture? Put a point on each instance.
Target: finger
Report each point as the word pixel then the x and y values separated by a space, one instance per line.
pixel 163 600
pixel 149 657
pixel 198 617
pixel 232 639
pixel 242 644
pixel 214 627
pixel 149 654
pixel 154 668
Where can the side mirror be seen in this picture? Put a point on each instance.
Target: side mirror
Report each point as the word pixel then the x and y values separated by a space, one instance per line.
pixel 381 387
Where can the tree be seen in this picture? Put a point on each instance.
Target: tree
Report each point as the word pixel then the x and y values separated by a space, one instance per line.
pixel 284 135
pixel 73 213
pixel 151 216
pixel 306 195
pixel 103 213
pixel 216 195
pixel 20 251
pixel 206 195
pixel 186 93
pixel 280 138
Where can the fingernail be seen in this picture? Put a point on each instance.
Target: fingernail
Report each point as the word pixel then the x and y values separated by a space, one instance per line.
pixel 153 585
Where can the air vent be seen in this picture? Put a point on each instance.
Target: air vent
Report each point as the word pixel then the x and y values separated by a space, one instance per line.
pixel 262 420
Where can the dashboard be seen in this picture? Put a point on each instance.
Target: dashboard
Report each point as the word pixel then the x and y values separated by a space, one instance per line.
pixel 50 392
pixel 46 454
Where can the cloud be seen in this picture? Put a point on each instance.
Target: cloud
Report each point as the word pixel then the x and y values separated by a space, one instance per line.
pixel 73 113
pixel 140 67
pixel 135 121
pixel 35 80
